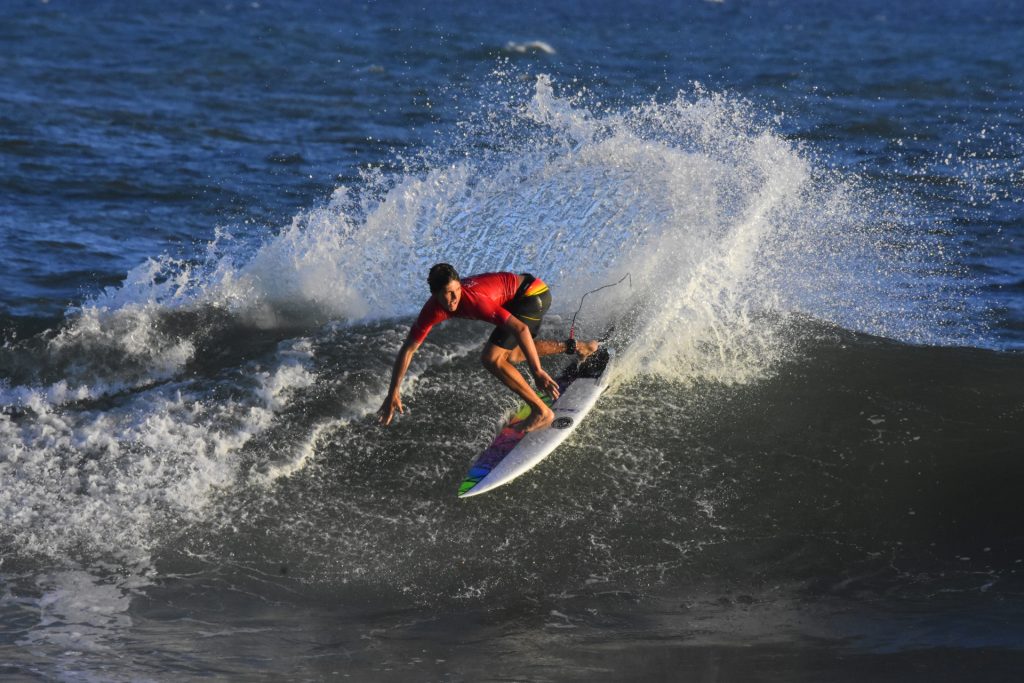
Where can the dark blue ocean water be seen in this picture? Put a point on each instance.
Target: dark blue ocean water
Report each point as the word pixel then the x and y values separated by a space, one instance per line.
pixel 217 221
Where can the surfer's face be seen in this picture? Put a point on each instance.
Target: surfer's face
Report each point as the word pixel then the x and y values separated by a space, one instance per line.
pixel 449 296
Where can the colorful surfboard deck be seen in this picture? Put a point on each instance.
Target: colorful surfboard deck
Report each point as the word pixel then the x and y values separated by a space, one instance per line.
pixel 512 452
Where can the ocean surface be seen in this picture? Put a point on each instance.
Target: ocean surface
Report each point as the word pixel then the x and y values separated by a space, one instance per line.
pixel 217 219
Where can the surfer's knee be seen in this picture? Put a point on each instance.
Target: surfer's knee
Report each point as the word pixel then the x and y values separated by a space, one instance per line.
pixel 490 358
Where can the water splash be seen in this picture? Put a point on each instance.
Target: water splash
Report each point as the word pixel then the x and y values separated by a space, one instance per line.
pixel 105 479
pixel 724 223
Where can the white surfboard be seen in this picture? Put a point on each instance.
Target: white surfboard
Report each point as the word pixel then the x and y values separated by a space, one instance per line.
pixel 512 453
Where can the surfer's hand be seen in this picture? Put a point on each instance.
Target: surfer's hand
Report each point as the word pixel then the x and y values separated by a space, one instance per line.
pixel 388 408
pixel 545 382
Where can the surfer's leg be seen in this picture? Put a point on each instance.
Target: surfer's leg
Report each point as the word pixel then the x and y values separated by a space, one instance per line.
pixel 545 347
pixel 530 309
pixel 529 306
pixel 550 347
pixel 496 360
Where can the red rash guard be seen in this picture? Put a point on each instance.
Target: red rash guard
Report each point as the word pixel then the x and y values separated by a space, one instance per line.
pixel 482 299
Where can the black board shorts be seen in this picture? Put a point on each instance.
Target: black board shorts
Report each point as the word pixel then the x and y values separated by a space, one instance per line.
pixel 531 302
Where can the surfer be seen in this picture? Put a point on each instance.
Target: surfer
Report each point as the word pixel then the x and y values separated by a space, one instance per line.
pixel 514 304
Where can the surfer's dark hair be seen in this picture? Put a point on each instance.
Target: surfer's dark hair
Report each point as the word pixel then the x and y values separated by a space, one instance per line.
pixel 440 275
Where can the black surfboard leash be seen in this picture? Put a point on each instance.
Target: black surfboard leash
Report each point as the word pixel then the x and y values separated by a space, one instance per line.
pixel 570 344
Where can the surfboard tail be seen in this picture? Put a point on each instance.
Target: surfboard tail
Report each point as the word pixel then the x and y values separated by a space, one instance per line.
pixel 470 482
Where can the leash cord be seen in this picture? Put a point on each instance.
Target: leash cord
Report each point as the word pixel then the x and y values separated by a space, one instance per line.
pixel 572 327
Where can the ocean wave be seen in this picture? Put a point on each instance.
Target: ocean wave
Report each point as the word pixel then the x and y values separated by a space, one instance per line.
pixel 145 402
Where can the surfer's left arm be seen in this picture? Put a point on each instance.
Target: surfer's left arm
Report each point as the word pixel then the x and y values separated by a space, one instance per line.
pixel 542 378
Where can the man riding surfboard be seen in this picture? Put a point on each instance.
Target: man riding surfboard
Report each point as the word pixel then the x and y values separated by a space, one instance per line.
pixel 515 304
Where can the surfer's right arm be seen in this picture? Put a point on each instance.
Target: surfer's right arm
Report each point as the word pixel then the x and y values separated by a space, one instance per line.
pixel 393 401
pixel 430 315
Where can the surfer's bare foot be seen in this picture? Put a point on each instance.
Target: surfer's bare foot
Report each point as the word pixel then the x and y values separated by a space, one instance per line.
pixel 538 421
pixel 584 349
